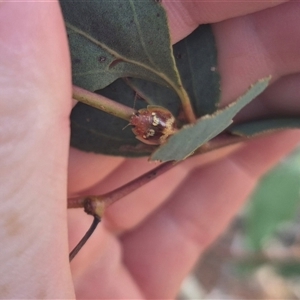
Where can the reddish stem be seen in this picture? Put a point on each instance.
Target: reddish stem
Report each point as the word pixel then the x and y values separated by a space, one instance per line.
pixel 95 205
pixel 136 183
pixel 100 102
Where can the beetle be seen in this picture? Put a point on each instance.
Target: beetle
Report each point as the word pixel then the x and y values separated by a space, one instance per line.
pixel 153 125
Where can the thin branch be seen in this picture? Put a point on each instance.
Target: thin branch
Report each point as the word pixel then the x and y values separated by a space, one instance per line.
pixel 76 202
pixel 105 104
pixel 95 205
pixel 133 185
pixel 82 242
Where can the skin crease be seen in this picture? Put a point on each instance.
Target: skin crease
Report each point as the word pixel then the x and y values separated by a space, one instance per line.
pixel 151 259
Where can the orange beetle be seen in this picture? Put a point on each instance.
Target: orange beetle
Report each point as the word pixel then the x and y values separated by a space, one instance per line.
pixel 153 125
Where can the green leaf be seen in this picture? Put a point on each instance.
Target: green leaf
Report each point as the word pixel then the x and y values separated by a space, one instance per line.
pixel 97 131
pixel 94 134
pixel 196 60
pixel 113 39
pixel 275 200
pixel 289 269
pixel 191 137
pixel 254 128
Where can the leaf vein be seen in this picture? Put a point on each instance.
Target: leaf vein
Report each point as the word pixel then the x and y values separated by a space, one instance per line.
pixel 118 56
pixel 142 41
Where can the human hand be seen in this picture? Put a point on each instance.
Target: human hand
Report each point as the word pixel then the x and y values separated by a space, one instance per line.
pixel 149 240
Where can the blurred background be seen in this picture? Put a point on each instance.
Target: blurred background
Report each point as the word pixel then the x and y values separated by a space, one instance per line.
pixel 258 257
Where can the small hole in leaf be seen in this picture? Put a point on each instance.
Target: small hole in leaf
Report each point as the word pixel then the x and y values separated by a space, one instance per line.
pixel 102 59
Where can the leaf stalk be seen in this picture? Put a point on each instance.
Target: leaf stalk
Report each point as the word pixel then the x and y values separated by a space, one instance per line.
pixel 186 105
pixel 100 102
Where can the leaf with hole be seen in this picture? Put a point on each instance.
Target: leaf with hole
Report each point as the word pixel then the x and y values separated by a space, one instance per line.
pixel 113 39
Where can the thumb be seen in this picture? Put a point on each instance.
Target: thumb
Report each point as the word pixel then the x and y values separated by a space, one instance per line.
pixel 35 102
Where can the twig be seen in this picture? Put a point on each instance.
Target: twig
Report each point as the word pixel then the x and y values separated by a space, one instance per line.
pixel 96 204
pixel 107 105
pixel 82 242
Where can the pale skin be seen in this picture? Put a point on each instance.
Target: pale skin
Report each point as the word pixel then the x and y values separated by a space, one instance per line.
pixel 182 212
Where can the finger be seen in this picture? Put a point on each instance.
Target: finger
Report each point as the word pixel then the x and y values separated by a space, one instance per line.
pixel 130 210
pixel 257 45
pixel 282 98
pixel 161 251
pixel 279 100
pixel 87 169
pixel 144 257
pixel 35 104
pixel 90 269
pixel 185 16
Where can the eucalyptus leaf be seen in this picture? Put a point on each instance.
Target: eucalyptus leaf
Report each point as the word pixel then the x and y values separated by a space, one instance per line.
pixel 113 39
pixel 254 128
pixel 191 137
